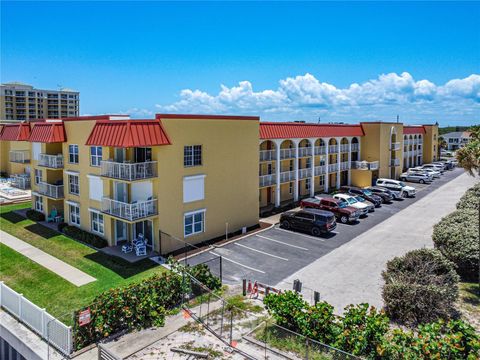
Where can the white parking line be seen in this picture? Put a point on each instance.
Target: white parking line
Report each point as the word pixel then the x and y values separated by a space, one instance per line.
pixel 296 233
pixel 261 252
pixel 281 242
pixel 233 261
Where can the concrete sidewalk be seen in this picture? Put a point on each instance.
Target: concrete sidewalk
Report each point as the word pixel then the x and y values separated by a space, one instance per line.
pixel 351 274
pixel 66 271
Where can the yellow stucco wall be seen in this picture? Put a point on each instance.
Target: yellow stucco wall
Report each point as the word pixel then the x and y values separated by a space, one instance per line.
pixel 11 167
pixel 430 144
pixel 361 178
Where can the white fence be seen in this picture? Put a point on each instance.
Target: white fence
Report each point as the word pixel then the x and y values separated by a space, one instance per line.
pixel 41 322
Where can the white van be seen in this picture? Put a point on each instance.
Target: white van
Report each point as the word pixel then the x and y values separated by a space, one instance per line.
pixel 405 191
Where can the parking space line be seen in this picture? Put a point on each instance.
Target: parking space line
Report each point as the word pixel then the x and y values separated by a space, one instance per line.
pixel 281 242
pixel 237 263
pixel 261 252
pixel 296 233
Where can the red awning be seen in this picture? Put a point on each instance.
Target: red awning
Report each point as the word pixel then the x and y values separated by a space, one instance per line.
pixel 129 133
pixel 288 130
pixel 48 132
pixel 411 130
pixel 15 132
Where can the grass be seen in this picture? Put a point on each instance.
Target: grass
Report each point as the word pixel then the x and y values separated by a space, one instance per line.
pixel 50 291
pixel 469 303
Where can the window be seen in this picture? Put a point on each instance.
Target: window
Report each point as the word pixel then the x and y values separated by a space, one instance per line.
pixel 73 154
pixel 290 187
pixel 95 187
pixel 38 176
pixel 194 223
pixel 39 203
pixel 95 155
pixel 192 155
pixel 96 222
pixel 309 163
pixel 193 188
pixel 307 184
pixel 36 150
pixel 291 165
pixel 74 214
pixel 322 180
pixel 269 169
pixel 73 184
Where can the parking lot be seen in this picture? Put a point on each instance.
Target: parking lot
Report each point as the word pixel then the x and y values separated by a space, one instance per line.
pixel 274 254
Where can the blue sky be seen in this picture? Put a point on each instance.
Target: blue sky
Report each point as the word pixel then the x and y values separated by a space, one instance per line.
pixel 283 61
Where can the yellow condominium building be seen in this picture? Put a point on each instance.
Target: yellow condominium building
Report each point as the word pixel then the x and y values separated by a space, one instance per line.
pixel 172 178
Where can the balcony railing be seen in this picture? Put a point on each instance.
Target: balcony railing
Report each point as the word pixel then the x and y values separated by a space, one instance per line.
pixel 50 190
pixel 129 211
pixel 21 181
pixel 344 166
pixel 287 153
pixel 365 165
pixel 344 148
pixel 20 156
pixel 355 146
pixel 129 171
pixel 267 180
pixel 319 170
pixel 333 167
pixel 320 150
pixel 394 162
pixel 267 155
pixel 304 151
pixel 287 176
pixel 51 161
pixel 407 142
pixel 304 173
pixel 395 146
pixel 332 149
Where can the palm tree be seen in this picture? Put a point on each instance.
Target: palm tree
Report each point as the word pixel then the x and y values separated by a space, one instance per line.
pixel 468 156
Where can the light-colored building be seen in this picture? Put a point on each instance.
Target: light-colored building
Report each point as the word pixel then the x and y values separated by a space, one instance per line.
pixel 456 140
pixel 24 102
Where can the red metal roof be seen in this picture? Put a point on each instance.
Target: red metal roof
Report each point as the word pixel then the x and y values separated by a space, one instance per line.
pixel 289 130
pixel 15 132
pixel 48 132
pixel 407 130
pixel 128 133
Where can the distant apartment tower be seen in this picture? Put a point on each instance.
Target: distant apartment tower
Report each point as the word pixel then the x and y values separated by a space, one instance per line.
pixel 23 102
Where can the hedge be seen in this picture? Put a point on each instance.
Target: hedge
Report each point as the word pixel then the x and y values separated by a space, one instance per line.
pixel 82 235
pixel 471 199
pixel 456 236
pixel 364 331
pixel 35 215
pixel 421 286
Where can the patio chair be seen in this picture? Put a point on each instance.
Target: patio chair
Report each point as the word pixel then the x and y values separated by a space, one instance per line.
pixel 53 215
pixel 127 248
pixel 141 250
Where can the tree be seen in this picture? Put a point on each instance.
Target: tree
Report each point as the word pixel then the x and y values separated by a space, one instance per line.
pixel 442 144
pixel 468 157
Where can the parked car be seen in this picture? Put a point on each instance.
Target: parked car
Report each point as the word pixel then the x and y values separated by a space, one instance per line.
pixel 435 167
pixel 340 209
pixel 435 174
pixel 416 177
pixel 447 165
pixel 385 194
pixel 367 194
pixel 351 201
pixel 405 191
pixel 361 199
pixel 314 221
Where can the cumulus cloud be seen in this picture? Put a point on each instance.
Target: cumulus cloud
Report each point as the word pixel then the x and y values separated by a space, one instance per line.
pixel 305 94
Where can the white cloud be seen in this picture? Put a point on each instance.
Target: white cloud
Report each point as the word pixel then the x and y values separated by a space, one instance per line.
pixel 305 95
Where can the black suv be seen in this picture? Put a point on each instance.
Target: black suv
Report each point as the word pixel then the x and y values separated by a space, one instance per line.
pixel 385 193
pixel 366 194
pixel 314 221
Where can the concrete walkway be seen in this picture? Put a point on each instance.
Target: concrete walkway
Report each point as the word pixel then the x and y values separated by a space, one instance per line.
pixel 351 274
pixel 68 272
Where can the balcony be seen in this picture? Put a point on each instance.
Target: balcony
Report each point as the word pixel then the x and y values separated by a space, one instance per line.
pixel 304 173
pixel 287 153
pixel 320 150
pixel 332 149
pixel 19 156
pixel 129 171
pixel 304 151
pixel 320 170
pixel 407 142
pixel 20 181
pixel 344 148
pixel 266 180
pixel 129 211
pixel 344 166
pixel 355 146
pixel 395 162
pixel 267 155
pixel 365 165
pixel 51 161
pixel 287 176
pixel 332 168
pixel 395 146
pixel 50 190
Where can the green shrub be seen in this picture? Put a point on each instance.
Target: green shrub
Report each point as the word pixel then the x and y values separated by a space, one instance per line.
pixel 89 238
pixel 35 215
pixel 61 226
pixel 471 199
pixel 420 286
pixel 288 309
pixel 202 273
pixel 456 237
pixel 320 323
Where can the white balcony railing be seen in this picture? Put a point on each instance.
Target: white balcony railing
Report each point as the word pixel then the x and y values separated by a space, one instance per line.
pixel 355 146
pixel 267 180
pixel 365 165
pixel 129 211
pixel 287 176
pixel 287 153
pixel 332 167
pixel 21 181
pixel 406 142
pixel 344 148
pixel 50 190
pixel 267 155
pixel 304 173
pixel 19 156
pixel 320 150
pixel 129 171
pixel 332 149
pixel 304 151
pixel 319 170
pixel 51 161
pixel 394 162
pixel 395 146
pixel 344 166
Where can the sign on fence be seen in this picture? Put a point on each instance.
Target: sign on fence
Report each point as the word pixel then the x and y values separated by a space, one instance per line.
pixel 84 317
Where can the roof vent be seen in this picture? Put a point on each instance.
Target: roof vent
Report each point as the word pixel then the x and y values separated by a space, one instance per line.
pixel 299 121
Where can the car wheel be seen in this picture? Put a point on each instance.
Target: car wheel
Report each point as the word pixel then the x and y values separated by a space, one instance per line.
pixel 285 225
pixel 404 195
pixel 422 181
pixel 316 231
pixel 403 179
pixel 344 219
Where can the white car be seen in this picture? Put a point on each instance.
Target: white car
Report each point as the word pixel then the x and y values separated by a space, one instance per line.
pixel 416 177
pixel 351 201
pixel 435 167
pixel 435 174
pixel 395 185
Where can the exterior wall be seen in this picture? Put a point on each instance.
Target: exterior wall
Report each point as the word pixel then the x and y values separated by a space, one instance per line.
pixel 430 144
pixel 11 167
pixel 361 178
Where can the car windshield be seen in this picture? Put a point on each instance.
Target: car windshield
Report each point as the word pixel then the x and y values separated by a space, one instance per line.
pixel 367 192
pixel 342 205
pixel 402 184
pixel 359 198
pixel 351 201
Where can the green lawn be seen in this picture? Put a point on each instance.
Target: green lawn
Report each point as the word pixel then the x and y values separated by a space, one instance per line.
pixel 45 288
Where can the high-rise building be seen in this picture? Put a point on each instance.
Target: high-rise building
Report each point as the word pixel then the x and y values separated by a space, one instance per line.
pixel 23 102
